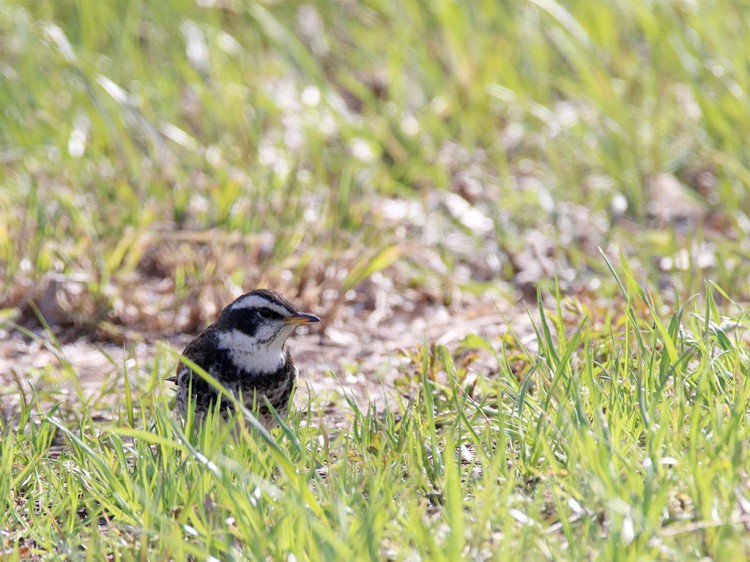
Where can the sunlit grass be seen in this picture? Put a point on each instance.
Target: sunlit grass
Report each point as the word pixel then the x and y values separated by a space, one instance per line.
pixel 621 436
pixel 298 122
pixel 157 155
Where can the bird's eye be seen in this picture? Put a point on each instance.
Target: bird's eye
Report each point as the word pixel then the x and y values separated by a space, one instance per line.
pixel 266 313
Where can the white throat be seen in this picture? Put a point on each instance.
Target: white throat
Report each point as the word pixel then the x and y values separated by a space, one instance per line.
pixel 252 356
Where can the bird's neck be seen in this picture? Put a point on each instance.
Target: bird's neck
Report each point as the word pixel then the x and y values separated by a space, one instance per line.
pixel 252 356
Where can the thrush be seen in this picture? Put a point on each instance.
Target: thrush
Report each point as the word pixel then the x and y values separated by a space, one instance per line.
pixel 245 351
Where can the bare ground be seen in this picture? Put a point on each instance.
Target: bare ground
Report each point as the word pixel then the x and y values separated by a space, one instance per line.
pixel 361 353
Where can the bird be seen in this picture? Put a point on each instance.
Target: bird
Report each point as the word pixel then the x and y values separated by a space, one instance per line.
pixel 245 351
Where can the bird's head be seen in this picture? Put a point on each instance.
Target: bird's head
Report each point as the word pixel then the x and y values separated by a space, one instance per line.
pixel 263 319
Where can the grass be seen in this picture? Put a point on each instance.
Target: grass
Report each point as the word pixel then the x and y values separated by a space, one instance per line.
pixel 297 124
pixel 622 437
pixel 384 163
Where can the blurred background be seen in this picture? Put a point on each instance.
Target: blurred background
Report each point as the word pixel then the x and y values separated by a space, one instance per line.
pixel 403 169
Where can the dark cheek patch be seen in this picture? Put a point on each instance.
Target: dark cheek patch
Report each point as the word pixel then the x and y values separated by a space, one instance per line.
pixel 245 321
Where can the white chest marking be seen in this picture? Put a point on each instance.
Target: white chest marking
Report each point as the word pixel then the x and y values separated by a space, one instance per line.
pixel 251 356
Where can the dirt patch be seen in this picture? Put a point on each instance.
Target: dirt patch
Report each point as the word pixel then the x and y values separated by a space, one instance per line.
pixel 361 353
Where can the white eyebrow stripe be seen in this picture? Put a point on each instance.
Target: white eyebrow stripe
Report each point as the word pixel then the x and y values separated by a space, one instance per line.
pixel 256 301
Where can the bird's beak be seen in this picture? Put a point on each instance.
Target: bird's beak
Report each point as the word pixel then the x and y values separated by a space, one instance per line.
pixel 302 318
